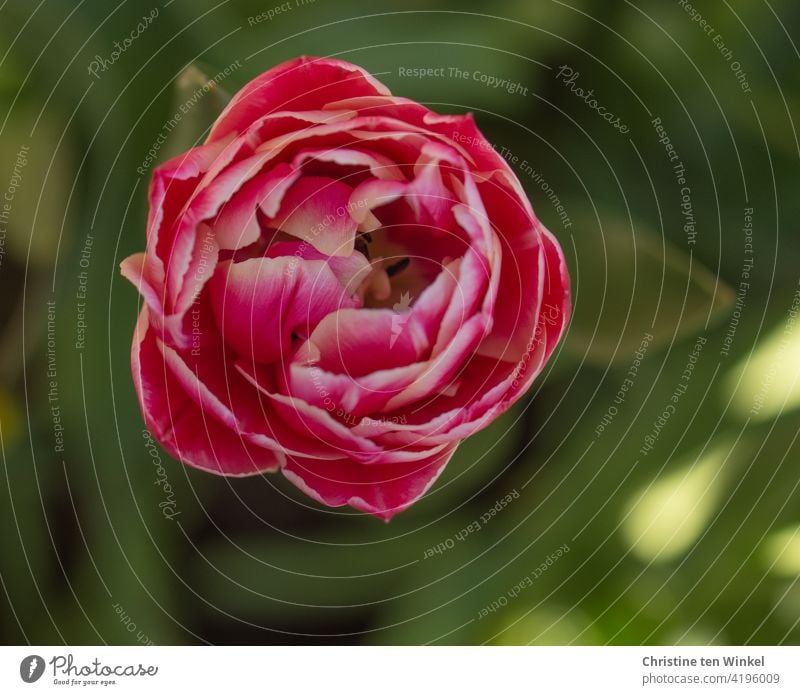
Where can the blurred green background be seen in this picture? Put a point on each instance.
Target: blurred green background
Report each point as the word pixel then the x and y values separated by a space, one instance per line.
pixel 651 477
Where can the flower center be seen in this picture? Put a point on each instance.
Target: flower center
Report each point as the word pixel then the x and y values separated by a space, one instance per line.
pixel 394 273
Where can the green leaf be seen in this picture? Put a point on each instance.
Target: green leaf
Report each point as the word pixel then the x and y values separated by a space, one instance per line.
pixel 629 284
pixel 197 102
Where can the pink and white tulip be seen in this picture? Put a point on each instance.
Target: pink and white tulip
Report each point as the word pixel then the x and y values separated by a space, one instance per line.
pixel 339 284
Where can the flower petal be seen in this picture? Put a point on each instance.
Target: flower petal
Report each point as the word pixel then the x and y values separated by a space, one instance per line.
pixel 305 83
pixel 315 210
pixel 181 425
pixel 382 491
pixel 260 303
pixel 362 341
pixel 236 225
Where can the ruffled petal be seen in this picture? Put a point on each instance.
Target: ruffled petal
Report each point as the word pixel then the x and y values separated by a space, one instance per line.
pixel 382 491
pixel 187 431
pixel 302 84
pixel 315 210
pixel 362 341
pixel 236 225
pixel 261 303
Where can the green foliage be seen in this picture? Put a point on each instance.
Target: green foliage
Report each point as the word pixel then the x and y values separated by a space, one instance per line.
pixel 693 541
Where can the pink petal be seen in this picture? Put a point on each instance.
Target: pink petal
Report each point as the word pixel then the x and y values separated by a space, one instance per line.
pixel 381 167
pixel 350 270
pixel 202 262
pixel 328 426
pixel 521 289
pixel 438 372
pixel 208 376
pixel 301 84
pixel 487 386
pixel 133 270
pixel 362 341
pixel 457 131
pixel 430 307
pixel 180 425
pixel 315 210
pixel 311 421
pixel 236 225
pixel 205 203
pixel 277 123
pixel 382 491
pixel 430 199
pixel 325 389
pixel 372 194
pixel 531 258
pixel 557 300
pixel 259 303
pixel 473 280
pixel 172 185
